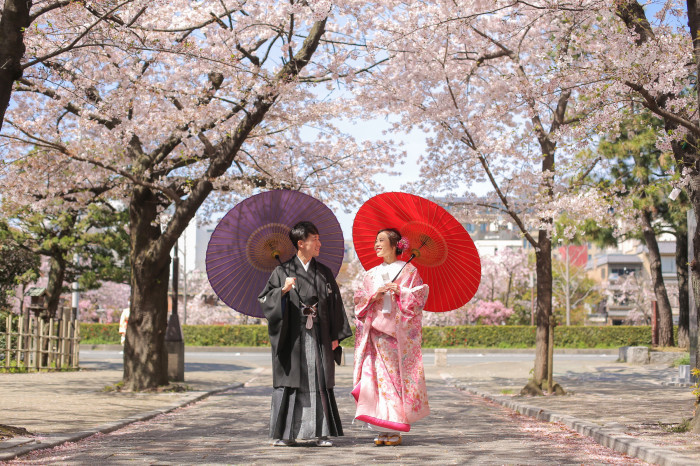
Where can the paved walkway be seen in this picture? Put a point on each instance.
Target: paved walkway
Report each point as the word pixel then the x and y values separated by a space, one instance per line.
pixel 623 406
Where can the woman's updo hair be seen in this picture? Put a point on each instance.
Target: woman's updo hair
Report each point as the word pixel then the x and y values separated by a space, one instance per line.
pixel 394 238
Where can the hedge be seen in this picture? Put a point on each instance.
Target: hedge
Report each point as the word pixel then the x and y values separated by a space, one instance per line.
pixel 476 336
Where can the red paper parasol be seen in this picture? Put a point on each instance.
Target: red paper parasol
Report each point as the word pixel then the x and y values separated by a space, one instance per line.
pixel 445 255
pixel 253 238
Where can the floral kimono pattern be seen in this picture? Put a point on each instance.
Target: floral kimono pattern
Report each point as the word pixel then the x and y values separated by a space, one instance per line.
pixel 388 377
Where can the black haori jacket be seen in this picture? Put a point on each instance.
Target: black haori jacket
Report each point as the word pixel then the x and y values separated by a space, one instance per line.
pixel 285 321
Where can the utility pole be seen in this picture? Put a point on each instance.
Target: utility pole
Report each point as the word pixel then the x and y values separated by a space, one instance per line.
pixel 567 288
pixel 174 342
pixel 184 273
pixel 532 298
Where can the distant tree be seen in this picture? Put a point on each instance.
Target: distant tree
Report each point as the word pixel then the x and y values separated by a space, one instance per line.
pixel 644 175
pixel 18 267
pixel 571 290
pixel 86 246
pixel 489 313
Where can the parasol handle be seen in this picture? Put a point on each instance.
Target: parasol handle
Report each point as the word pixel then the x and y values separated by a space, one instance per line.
pixel 413 256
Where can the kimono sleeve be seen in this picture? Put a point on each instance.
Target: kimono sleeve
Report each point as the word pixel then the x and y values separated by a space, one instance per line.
pixel 273 305
pixel 413 292
pixel 340 327
pixel 363 294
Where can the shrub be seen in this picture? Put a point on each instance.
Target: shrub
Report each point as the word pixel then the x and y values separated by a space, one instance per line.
pixel 475 336
pixel 99 334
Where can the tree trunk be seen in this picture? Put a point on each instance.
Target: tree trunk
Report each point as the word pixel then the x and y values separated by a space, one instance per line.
pixel 57 273
pixel 657 281
pixel 13 22
pixel 543 259
pixel 145 357
pixel 683 295
pixel 693 191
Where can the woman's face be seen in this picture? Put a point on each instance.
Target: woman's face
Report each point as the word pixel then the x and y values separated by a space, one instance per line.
pixel 383 247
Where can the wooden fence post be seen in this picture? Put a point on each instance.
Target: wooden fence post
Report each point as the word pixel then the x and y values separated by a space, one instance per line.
pixel 8 340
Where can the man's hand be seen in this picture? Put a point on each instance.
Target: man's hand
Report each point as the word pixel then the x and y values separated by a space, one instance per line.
pixel 288 284
pixel 334 344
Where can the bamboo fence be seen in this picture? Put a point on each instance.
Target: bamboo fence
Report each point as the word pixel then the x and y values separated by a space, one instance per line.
pixel 38 344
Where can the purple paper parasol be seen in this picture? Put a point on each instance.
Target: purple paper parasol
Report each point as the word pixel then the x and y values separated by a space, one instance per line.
pixel 241 251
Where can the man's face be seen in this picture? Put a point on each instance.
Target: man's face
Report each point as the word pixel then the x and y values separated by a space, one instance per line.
pixel 311 246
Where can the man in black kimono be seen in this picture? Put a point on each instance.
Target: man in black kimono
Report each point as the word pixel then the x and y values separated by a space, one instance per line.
pixel 306 321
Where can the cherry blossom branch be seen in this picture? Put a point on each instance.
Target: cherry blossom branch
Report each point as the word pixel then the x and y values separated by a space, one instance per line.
pixel 71 107
pixel 651 103
pixel 366 69
pixel 49 7
pixel 77 39
pixel 35 139
pixel 171 194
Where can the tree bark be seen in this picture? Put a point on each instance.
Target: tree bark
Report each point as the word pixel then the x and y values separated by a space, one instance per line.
pixel 683 294
pixel 14 20
pixel 145 357
pixel 57 274
pixel 657 282
pixel 543 259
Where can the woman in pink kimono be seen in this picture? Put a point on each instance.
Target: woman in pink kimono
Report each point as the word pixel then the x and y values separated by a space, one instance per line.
pixel 388 378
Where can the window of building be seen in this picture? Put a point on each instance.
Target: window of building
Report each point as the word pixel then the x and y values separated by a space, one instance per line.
pixel 668 265
pixel 623 270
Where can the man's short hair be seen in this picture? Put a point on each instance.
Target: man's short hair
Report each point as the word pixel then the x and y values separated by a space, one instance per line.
pixel 301 231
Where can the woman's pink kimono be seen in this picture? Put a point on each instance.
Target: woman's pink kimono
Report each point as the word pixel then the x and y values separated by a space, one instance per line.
pixel 389 382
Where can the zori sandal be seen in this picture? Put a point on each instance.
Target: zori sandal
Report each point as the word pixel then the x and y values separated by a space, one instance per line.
pixel 380 439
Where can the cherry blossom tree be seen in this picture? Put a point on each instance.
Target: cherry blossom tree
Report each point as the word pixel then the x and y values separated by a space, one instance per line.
pixel 201 98
pixel 633 290
pixel 502 274
pixel 477 76
pixel 489 313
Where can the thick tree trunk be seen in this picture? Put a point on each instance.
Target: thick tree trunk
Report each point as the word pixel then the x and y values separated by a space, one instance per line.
pixel 683 295
pixel 693 191
pixel 543 259
pixel 14 20
pixel 145 357
pixel 57 274
pixel 657 282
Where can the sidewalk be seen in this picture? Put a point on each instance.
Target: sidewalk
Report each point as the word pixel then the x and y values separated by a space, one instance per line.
pixel 624 407
pixel 621 406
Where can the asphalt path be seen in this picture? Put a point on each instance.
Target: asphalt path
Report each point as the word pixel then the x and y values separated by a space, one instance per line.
pixel 230 427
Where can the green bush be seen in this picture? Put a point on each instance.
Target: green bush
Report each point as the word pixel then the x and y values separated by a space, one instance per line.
pixel 226 335
pixel 474 336
pixel 99 334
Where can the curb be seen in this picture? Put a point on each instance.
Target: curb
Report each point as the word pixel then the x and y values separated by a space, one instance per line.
pixel 612 436
pixel 19 446
pixel 266 349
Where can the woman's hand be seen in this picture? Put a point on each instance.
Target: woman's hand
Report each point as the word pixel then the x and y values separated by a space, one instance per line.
pixel 379 294
pixel 392 287
pixel 288 284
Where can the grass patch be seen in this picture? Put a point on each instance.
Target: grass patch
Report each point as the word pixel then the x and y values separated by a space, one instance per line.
pixel 507 391
pixel 117 387
pixel 682 361
pixel 12 431
pixel 680 428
